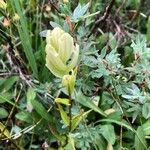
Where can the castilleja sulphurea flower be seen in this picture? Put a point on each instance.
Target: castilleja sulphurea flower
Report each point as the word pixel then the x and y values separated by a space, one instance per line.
pixel 61 53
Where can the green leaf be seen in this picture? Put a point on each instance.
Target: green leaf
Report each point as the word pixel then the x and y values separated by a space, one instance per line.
pixel 54 24
pixel 64 101
pixel 70 145
pixel 4 133
pixel 8 83
pixel 100 143
pixel 30 96
pixel 146 110
pixel 146 127
pixel 121 123
pixel 24 34
pixel 3 113
pixel 113 42
pixel 41 110
pixel 79 12
pixel 4 99
pixel 87 102
pixel 24 116
pixel 2 80
pixel 148 29
pixel 63 114
pixel 108 133
pixel 76 119
pixel 139 45
pixel 5 96
pixel 140 142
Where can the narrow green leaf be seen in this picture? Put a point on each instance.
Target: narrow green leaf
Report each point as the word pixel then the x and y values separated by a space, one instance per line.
pixel 108 133
pixel 100 143
pixel 30 96
pixel 121 123
pixel 24 116
pixel 146 110
pixel 4 99
pixel 77 119
pixel 148 29
pixel 41 110
pixel 8 83
pixel 22 27
pixel 64 101
pixel 4 131
pixel 63 114
pixel 146 127
pixel 5 95
pixel 2 80
pixel 70 145
pixel 140 142
pixel 87 102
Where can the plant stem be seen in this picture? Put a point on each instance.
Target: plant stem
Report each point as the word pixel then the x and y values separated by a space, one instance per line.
pixel 70 112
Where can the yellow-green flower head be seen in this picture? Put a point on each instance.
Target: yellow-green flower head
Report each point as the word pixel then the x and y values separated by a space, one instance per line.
pixel 61 53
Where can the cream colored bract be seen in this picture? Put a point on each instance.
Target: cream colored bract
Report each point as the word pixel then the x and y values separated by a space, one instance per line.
pixel 61 54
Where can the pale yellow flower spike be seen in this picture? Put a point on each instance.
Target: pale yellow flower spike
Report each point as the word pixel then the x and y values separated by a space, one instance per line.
pixel 66 1
pixel 3 5
pixel 61 54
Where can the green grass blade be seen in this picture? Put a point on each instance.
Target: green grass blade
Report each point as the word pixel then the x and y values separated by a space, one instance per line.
pixel 148 30
pixel 22 27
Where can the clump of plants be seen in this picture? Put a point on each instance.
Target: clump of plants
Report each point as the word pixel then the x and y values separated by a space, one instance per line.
pixel 74 75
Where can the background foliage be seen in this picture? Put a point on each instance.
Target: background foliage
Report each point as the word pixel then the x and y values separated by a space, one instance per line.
pixel 111 101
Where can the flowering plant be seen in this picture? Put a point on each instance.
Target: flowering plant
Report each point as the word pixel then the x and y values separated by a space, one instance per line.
pixel 61 53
